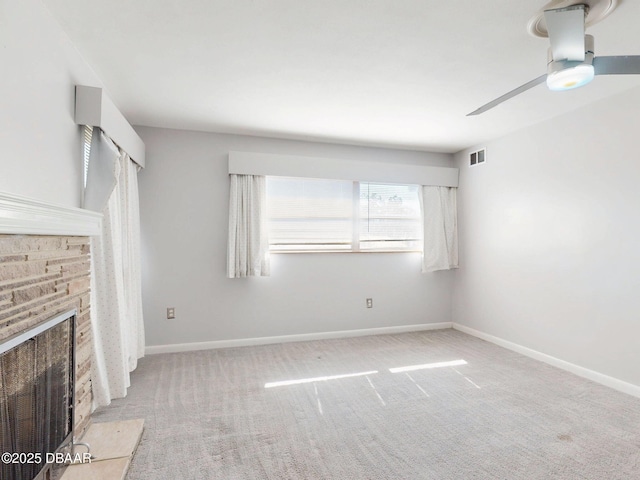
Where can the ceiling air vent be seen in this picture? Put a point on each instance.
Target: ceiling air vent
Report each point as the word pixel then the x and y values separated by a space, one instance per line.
pixel 477 157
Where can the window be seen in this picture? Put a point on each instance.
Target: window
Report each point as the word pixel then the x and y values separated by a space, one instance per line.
pixel 86 150
pixel 310 214
pixel 389 217
pixel 337 215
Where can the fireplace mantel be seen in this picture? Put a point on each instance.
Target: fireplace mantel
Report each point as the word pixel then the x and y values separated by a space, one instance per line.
pixel 26 216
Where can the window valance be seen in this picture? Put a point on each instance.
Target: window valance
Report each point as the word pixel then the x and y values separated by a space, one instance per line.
pixel 250 163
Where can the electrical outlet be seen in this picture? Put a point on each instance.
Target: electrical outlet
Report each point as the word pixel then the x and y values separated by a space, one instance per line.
pixel 171 313
pixel 369 302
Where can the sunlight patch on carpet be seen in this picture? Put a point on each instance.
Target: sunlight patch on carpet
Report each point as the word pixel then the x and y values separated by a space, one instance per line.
pixel 285 383
pixel 425 366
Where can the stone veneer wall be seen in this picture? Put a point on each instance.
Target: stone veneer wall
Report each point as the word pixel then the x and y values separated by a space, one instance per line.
pixel 41 277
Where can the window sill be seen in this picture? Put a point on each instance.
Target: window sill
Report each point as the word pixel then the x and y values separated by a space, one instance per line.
pixel 278 252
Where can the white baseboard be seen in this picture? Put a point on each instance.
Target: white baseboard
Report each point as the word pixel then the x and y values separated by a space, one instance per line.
pixel 592 375
pixel 245 342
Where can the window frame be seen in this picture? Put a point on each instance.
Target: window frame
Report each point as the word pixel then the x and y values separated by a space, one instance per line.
pixel 356 224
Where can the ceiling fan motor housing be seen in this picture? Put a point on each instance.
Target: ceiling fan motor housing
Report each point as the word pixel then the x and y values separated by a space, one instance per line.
pixel 557 65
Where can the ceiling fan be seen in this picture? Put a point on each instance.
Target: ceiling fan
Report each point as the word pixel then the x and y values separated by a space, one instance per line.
pixel 571 62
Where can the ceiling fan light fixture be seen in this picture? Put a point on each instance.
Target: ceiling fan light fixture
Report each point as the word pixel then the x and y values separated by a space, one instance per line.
pixel 566 74
pixel 572 77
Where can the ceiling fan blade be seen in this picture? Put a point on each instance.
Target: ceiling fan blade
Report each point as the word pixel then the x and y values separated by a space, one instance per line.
pixel 566 32
pixel 622 65
pixel 507 96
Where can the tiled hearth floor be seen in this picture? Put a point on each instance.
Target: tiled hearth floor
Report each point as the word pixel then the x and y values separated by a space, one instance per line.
pixel 112 447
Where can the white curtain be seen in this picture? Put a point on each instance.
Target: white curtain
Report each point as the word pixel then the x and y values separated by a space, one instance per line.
pixel 102 175
pixel 440 220
pixel 248 247
pixel 116 301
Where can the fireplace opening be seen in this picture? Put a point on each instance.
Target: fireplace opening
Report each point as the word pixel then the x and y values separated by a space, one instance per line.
pixel 37 397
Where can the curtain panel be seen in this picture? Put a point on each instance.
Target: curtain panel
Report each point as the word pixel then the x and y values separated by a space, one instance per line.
pixel 248 245
pixel 440 221
pixel 116 300
pixel 102 175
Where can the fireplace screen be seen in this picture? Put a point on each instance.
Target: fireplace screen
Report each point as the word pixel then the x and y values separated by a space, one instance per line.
pixel 36 397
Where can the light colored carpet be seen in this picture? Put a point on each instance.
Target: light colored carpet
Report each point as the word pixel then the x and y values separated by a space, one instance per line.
pixel 501 415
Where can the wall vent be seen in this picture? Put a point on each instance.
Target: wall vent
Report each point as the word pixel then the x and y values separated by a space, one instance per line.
pixel 478 157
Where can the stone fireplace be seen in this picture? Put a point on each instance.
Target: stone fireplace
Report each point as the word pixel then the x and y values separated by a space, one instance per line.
pixel 45 272
pixel 41 277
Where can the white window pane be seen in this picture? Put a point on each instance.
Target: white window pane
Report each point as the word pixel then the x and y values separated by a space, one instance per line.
pixel 390 217
pixel 309 214
pixel 315 214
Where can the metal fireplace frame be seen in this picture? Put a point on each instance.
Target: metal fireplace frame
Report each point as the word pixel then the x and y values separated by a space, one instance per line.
pixel 18 339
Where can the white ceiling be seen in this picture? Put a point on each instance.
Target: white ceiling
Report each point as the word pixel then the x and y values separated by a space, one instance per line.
pixel 394 73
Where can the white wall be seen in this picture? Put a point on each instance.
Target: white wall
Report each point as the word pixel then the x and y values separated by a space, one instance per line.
pixel 184 208
pixel 40 145
pixel 549 236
